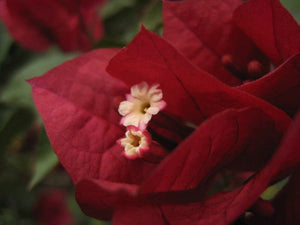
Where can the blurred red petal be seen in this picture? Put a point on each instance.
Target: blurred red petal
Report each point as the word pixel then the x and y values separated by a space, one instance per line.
pixel 22 30
pixel 32 24
pixel 51 208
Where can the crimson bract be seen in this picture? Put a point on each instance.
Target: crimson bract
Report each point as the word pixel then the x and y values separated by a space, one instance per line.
pixel 221 37
pixel 200 128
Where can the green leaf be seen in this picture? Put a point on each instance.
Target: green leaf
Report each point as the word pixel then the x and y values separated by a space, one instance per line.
pixel 18 91
pixel 153 16
pixel 122 20
pixel 293 6
pixel 271 191
pixel 6 113
pixel 5 43
pixel 46 160
pixel 115 6
pixel 11 217
pixel 16 122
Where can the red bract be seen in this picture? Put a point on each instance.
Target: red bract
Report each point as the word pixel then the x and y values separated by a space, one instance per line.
pixel 84 125
pixel 34 24
pixel 271 27
pixel 236 131
pixel 224 207
pixel 198 95
pixel 273 30
pixel 210 40
pixel 78 102
pixel 51 208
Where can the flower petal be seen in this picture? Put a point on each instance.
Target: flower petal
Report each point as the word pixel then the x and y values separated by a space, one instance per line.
pixel 125 107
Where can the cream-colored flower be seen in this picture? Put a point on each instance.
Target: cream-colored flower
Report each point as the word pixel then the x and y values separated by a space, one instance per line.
pixel 135 142
pixel 141 104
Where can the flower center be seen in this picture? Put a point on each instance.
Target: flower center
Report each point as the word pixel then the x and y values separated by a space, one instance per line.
pixel 145 107
pixel 136 141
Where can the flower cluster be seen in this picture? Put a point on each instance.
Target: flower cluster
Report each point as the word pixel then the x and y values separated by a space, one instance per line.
pixel 220 120
pixel 137 110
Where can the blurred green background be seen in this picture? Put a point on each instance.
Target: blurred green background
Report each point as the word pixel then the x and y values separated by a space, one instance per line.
pixel 28 166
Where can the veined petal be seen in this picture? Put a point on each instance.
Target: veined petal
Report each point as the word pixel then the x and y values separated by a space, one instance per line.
pixel 76 101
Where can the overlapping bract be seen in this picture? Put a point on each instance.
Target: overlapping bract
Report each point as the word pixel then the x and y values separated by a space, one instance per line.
pixel 36 25
pixel 278 33
pixel 210 38
pixel 258 19
pixel 237 129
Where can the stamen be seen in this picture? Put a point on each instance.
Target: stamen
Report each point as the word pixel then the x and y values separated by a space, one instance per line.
pixel 145 107
pixel 230 64
pixel 227 60
pixel 141 104
pixel 255 69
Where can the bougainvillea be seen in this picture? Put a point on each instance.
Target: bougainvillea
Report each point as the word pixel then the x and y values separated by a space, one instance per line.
pixel 72 25
pixel 163 165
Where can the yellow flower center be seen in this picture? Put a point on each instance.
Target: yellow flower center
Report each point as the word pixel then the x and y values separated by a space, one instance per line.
pixel 136 141
pixel 144 107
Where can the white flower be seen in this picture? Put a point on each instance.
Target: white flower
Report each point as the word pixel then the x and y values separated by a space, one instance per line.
pixel 135 142
pixel 141 104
